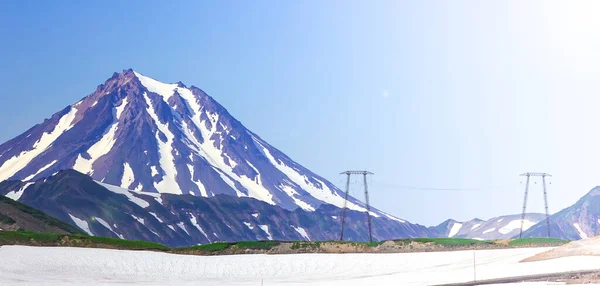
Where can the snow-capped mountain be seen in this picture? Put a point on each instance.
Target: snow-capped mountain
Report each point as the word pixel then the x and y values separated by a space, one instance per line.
pixel 141 134
pixel 183 220
pixel 501 227
pixel 581 220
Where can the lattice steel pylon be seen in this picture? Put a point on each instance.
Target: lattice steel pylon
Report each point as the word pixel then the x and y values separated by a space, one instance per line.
pixel 528 175
pixel 364 173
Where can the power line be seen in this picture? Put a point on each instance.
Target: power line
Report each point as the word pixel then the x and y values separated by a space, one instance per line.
pixel 416 188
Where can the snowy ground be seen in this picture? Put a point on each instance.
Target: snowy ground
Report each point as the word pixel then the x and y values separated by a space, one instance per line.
pixel 81 266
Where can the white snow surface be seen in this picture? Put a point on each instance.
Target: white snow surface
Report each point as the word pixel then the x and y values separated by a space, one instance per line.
pixel 265 228
pixel 455 228
pixel 475 226
pixel 87 266
pixel 16 195
pixel 515 224
pixel 582 234
pixel 82 224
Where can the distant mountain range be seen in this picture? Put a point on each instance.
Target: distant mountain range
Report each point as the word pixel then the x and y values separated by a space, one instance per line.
pixel 502 227
pixel 581 220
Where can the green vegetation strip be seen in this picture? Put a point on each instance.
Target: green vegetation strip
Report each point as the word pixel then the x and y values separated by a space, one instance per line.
pixel 15 237
pixel 446 241
pixel 537 241
pixel 50 239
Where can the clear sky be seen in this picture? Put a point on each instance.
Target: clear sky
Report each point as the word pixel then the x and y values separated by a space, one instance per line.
pixel 447 102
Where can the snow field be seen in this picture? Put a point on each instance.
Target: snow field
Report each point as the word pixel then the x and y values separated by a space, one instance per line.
pixel 61 265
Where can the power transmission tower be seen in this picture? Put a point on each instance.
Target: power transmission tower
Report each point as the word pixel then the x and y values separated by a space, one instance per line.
pixel 364 173
pixel 528 175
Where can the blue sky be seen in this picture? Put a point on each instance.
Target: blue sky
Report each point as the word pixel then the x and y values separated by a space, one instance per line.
pixel 445 101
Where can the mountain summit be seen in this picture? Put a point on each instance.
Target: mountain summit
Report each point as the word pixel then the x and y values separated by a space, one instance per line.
pixel 144 135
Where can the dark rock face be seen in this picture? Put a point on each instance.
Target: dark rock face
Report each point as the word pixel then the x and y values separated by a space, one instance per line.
pixel 581 220
pixel 183 220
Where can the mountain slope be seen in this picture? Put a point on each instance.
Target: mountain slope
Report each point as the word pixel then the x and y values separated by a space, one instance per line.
pixel 17 216
pixel 183 220
pixel 501 227
pixel 141 134
pixel 581 220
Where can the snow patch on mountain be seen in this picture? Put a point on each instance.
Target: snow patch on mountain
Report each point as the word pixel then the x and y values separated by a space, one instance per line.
pixel 168 184
pixel 16 195
pixel 323 194
pixel 102 146
pixel 82 224
pixel 194 222
pixel 394 218
pixel 265 228
pixel 140 220
pixel 516 224
pixel 18 162
pixel 163 89
pixel 128 176
pixel 302 232
pixel 106 225
pixel 489 230
pixel 157 218
pixel 40 170
pixel 182 226
pixel 118 190
pixel 455 228
pixel 216 157
pixel 582 234
pixel 293 194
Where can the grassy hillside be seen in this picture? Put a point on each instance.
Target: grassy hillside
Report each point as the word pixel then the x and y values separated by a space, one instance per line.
pixel 76 240
pixel 17 216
